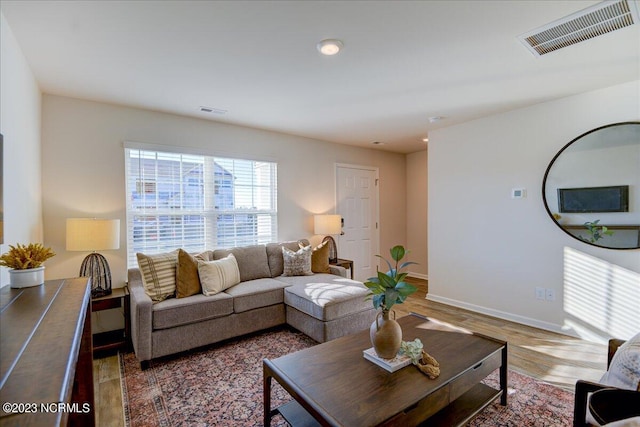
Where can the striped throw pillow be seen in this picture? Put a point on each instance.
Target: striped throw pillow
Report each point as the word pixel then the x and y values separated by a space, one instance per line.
pixel 158 274
pixel 218 275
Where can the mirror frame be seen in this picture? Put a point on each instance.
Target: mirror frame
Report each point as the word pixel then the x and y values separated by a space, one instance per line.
pixel 546 174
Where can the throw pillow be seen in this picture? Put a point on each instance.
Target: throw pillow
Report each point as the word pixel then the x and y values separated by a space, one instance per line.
pixel 274 254
pixel 158 274
pixel 252 261
pixel 297 263
pixel 187 278
pixel 624 371
pixel 218 275
pixel 320 258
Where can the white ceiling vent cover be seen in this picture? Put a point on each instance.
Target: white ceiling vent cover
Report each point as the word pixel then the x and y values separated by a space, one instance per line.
pixel 583 25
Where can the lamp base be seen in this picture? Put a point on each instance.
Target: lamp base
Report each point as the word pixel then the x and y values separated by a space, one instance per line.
pixel 333 248
pixel 96 267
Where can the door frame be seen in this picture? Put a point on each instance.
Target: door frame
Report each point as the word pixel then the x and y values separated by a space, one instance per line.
pixel 376 171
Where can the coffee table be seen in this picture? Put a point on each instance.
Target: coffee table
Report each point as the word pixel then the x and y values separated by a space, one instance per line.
pixel 332 384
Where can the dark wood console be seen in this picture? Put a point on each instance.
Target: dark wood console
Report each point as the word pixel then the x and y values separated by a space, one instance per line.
pixel 46 368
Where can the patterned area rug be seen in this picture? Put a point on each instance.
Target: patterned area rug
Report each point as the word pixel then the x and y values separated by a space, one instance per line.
pixel 221 385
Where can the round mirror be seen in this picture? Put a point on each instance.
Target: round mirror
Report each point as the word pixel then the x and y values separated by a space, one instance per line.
pixel 591 188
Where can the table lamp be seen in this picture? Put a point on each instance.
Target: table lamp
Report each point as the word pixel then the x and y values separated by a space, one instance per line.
pixel 94 234
pixel 328 224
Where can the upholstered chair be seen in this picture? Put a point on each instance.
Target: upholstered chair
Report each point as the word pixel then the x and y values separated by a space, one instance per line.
pixel 615 399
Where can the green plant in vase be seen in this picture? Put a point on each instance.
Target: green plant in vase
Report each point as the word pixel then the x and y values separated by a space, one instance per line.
pixel 388 289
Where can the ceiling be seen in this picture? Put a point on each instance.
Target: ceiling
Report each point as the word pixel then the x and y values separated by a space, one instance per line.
pixel 402 62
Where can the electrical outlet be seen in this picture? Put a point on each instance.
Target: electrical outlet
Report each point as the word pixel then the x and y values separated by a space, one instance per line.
pixel 540 293
pixel 550 295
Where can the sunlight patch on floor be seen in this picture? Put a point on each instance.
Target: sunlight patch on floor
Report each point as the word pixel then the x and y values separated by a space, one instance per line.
pixel 569 352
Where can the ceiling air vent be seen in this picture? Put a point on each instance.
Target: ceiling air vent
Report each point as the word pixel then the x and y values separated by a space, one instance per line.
pixel 583 25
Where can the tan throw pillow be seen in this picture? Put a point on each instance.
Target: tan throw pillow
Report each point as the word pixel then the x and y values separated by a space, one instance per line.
pixel 297 263
pixel 187 278
pixel 158 274
pixel 218 275
pixel 320 258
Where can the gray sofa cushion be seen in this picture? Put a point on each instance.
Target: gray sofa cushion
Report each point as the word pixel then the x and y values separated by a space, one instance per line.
pixel 256 293
pixel 274 255
pixel 252 261
pixel 326 297
pixel 196 308
pixel 316 278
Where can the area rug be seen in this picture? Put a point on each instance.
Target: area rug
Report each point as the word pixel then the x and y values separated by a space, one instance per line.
pixel 221 385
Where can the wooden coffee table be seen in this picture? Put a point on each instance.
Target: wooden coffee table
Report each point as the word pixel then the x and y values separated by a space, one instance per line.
pixel 333 385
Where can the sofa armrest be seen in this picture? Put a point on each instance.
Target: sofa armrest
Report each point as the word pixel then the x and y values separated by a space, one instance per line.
pixel 338 270
pixel 141 316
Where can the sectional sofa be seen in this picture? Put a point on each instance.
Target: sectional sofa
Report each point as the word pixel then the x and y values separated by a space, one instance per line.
pixel 323 305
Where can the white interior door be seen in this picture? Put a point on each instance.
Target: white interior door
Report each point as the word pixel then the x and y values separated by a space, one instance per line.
pixel 357 203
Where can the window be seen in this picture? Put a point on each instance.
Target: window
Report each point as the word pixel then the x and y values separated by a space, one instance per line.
pixel 197 202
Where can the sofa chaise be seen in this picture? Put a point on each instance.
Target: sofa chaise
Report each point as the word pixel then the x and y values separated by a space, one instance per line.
pixel 324 306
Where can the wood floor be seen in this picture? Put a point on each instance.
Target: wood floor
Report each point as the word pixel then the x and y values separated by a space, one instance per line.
pixel 553 358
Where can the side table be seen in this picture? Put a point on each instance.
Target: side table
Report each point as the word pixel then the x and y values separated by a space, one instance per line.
pixel 120 338
pixel 344 263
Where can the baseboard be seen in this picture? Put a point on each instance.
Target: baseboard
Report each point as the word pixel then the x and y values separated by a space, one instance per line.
pixel 418 276
pixel 503 315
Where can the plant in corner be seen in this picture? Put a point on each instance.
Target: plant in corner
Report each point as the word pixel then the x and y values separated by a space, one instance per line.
pixel 25 263
pixel 388 289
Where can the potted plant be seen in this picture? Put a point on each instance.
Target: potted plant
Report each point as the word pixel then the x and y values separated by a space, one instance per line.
pixel 25 263
pixel 388 289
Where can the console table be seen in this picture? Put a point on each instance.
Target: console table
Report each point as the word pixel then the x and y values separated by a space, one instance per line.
pixel 46 370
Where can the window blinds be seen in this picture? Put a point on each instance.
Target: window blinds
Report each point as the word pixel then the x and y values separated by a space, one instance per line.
pixel 197 202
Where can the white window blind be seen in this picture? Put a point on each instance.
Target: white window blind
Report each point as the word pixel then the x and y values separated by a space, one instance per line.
pixel 197 202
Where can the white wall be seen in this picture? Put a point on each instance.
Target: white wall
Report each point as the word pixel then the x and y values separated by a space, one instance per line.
pixel 20 125
pixel 417 220
pixel 83 171
pixel 488 251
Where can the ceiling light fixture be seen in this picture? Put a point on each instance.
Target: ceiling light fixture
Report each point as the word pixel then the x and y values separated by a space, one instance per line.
pixel 329 46
pixel 435 119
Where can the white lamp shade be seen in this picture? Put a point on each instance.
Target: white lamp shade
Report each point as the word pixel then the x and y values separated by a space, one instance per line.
pixel 327 224
pixel 93 234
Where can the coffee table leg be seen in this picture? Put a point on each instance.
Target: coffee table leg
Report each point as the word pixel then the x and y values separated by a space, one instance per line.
pixel 266 394
pixel 504 376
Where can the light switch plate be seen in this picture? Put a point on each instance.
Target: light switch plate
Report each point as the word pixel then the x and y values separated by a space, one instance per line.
pixel 518 193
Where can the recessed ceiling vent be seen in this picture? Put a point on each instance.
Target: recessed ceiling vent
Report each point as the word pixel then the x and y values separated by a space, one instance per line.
pixel 583 25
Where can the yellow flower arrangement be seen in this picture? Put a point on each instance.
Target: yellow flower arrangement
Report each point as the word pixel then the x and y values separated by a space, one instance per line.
pixel 23 257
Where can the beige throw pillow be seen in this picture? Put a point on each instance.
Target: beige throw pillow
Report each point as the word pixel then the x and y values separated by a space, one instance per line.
pixel 218 275
pixel 158 274
pixel 297 263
